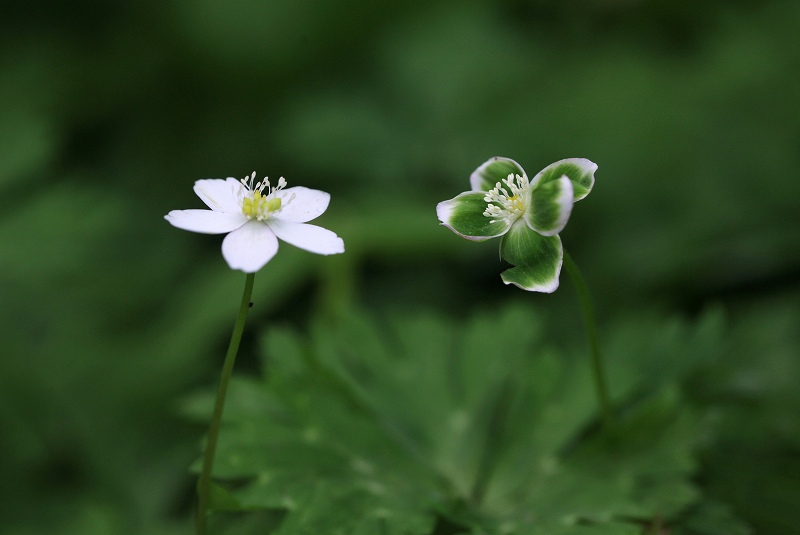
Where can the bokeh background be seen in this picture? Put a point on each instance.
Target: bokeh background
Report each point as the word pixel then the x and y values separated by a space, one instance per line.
pixel 109 111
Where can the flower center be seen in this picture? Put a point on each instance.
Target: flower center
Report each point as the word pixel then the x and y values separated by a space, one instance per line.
pixel 261 201
pixel 508 200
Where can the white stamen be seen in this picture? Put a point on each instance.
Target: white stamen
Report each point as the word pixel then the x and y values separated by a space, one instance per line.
pixel 505 206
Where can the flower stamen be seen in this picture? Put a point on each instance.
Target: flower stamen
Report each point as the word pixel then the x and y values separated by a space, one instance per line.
pixel 508 199
pixel 256 204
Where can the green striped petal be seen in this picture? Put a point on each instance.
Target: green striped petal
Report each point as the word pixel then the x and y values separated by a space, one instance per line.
pixel 537 259
pixel 550 206
pixel 579 170
pixel 493 171
pixel 464 216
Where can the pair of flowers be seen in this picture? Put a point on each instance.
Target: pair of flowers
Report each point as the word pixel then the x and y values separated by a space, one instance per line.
pixel 527 214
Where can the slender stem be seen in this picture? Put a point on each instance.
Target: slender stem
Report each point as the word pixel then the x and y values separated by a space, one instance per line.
pixel 591 330
pixel 204 482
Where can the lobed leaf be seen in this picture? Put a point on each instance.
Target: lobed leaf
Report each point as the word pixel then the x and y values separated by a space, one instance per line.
pixel 364 428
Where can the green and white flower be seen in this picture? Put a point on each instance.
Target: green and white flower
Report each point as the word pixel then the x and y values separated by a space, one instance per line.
pixel 255 215
pixel 527 214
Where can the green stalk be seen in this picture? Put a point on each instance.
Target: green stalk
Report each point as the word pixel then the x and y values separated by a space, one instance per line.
pixel 591 331
pixel 204 482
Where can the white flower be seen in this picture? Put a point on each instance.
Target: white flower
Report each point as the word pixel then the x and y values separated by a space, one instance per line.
pixel 526 214
pixel 255 216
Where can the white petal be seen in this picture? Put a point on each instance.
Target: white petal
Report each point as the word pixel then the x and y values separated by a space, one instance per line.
pixel 309 237
pixel 205 221
pixel 307 204
pixel 250 247
pixel 221 195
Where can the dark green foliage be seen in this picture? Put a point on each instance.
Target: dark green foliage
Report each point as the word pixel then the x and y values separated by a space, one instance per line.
pixel 108 317
pixel 368 428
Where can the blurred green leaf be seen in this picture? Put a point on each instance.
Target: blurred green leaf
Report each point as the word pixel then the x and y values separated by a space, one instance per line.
pixel 111 110
pixel 367 426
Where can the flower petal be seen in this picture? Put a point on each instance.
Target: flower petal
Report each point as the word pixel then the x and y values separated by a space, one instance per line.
pixel 205 221
pixel 220 195
pixel 537 259
pixel 307 204
pixel 464 216
pixel 550 206
pixel 493 171
pixel 250 247
pixel 309 237
pixel 579 170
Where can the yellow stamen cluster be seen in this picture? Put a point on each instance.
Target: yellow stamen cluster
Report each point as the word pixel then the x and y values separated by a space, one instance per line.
pixel 509 204
pixel 256 204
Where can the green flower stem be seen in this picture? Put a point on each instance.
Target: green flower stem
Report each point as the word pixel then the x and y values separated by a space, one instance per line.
pixel 591 330
pixel 204 482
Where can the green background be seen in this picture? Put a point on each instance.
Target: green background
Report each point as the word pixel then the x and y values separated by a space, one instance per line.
pixel 109 111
